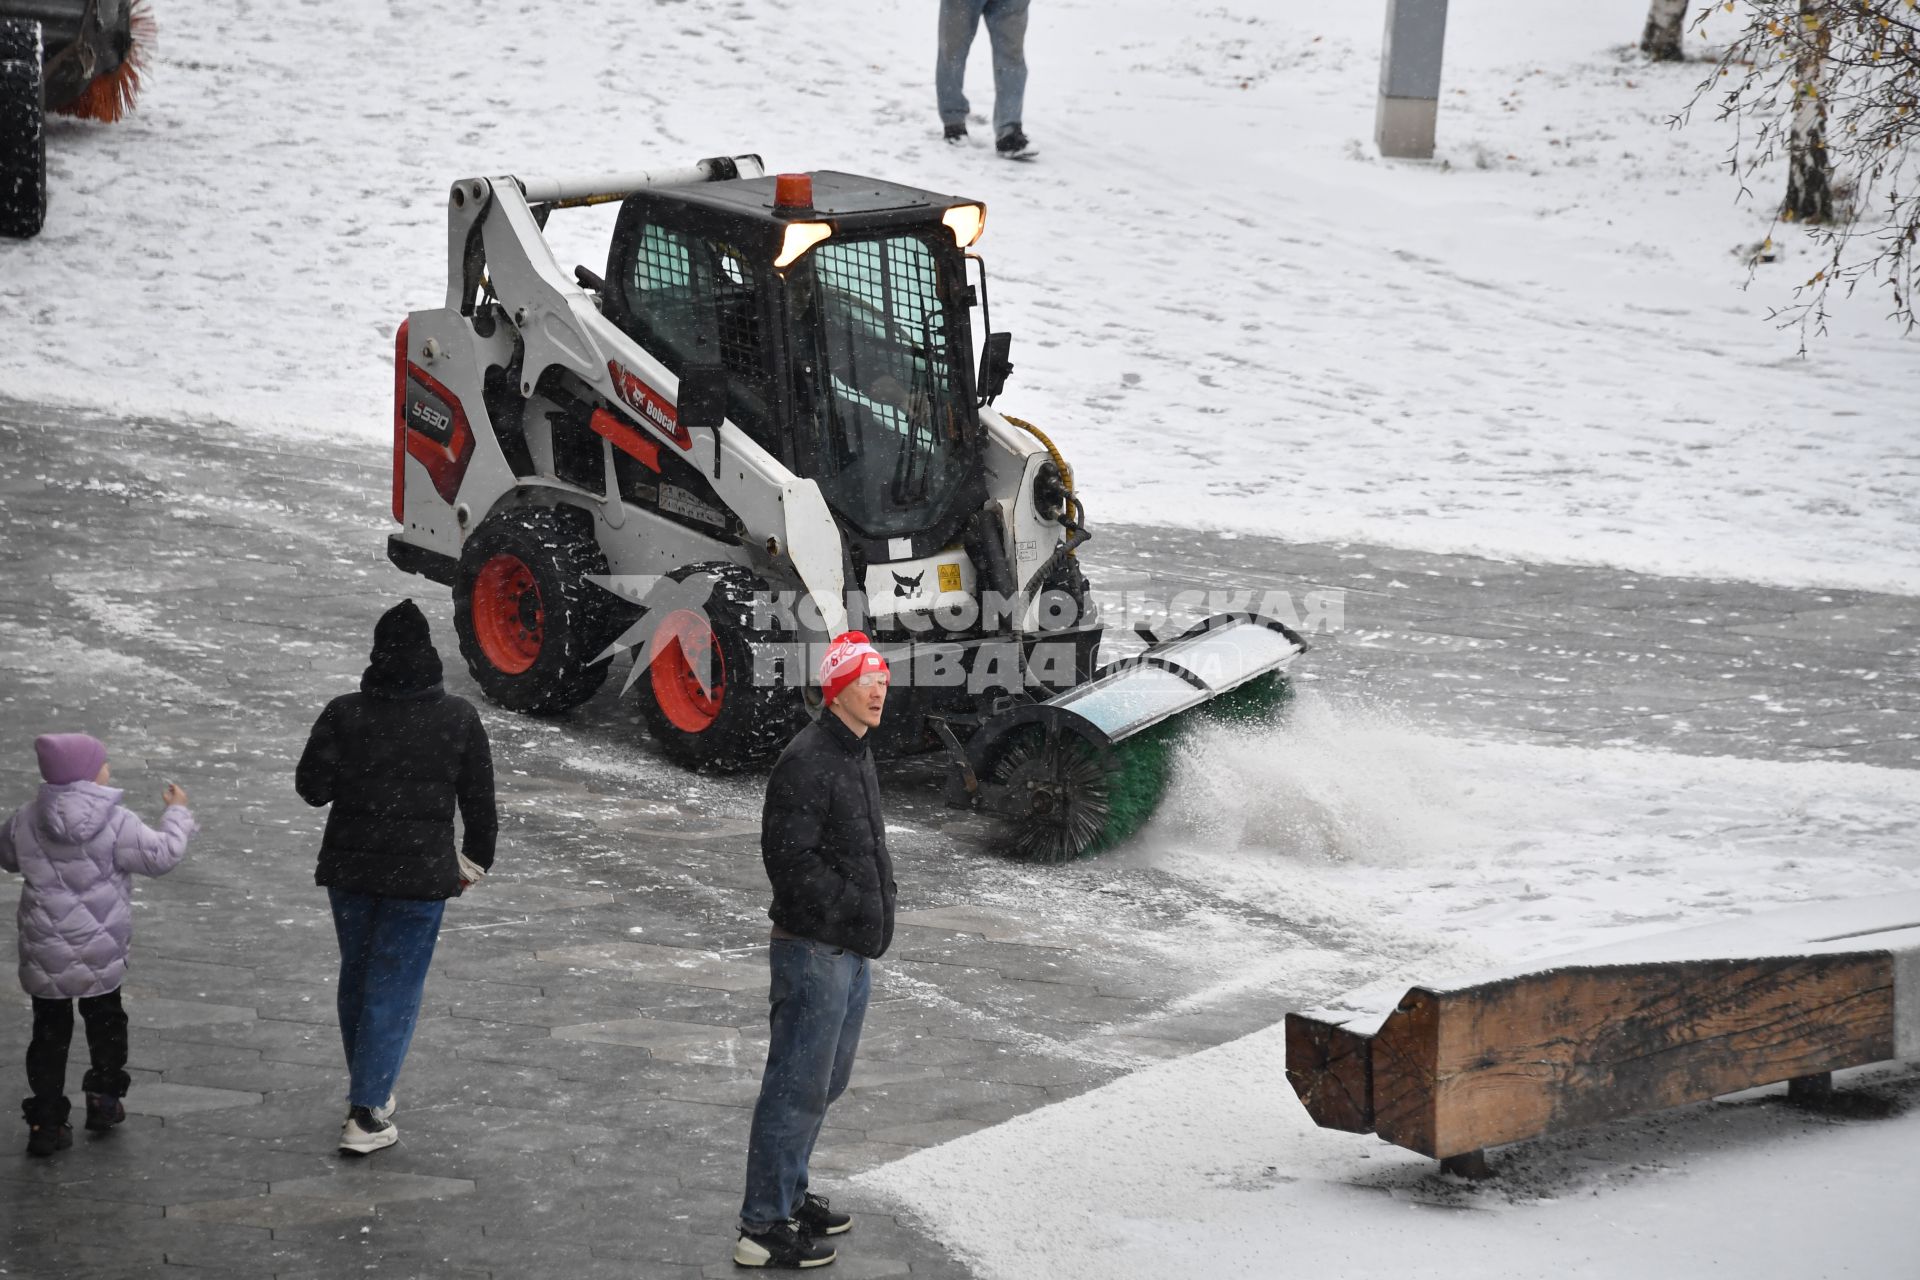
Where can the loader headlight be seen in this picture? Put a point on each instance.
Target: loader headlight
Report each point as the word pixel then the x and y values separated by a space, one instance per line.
pixel 966 221
pixel 800 237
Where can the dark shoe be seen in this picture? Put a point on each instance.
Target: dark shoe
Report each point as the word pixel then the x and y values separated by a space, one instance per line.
pixel 956 133
pixel 816 1219
pixel 785 1246
pixel 1012 142
pixel 365 1133
pixel 104 1111
pixel 45 1139
pixel 47 1127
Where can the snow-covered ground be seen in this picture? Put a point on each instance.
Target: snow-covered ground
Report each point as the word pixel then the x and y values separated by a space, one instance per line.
pixel 1418 858
pixel 1233 313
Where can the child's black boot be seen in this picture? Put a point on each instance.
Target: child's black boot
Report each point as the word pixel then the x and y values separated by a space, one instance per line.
pixel 47 1127
pixel 104 1110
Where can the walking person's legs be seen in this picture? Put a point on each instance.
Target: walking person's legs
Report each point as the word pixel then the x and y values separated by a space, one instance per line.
pixel 399 952
pixel 1007 32
pixel 386 946
pixel 808 1010
pixel 353 915
pixel 959 19
pixel 47 1050
pixel 106 1081
pixel 47 1109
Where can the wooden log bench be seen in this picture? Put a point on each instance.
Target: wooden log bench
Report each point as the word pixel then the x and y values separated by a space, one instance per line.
pixel 1451 1069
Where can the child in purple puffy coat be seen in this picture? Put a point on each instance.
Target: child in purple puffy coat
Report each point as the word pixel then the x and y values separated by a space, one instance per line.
pixel 79 849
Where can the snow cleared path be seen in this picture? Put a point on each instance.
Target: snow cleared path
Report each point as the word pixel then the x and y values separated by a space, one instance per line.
pixel 193 594
pixel 1232 314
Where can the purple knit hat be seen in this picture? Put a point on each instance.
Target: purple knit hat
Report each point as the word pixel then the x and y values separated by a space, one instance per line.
pixel 69 757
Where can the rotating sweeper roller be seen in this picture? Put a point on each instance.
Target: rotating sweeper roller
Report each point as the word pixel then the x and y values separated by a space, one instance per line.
pixel 1084 770
pixel 74 57
pixel 778 388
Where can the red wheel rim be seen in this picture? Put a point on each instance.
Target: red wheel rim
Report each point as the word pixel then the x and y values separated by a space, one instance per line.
pixel 507 618
pixel 683 647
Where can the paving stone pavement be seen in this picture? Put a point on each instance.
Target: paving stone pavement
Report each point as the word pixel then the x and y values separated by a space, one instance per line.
pixel 577 1098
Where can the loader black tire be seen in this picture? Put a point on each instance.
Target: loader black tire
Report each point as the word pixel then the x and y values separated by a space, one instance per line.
pixel 1064 594
pixel 19 38
pixel 733 722
pixel 530 623
pixel 23 133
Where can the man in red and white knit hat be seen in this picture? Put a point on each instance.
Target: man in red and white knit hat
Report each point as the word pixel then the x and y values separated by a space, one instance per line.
pixel 825 848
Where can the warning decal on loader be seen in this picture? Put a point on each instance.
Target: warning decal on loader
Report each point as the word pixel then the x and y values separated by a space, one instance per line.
pixel 648 403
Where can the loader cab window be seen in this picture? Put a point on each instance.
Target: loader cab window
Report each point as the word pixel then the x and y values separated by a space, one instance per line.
pixel 882 379
pixel 691 299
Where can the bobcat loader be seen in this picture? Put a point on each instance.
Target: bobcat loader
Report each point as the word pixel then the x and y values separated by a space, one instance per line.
pixel 763 423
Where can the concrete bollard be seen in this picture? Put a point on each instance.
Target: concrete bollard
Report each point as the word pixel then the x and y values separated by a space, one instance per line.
pixel 1410 78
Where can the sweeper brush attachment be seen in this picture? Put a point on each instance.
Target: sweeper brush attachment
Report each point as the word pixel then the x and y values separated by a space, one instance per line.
pixel 110 92
pixel 1086 770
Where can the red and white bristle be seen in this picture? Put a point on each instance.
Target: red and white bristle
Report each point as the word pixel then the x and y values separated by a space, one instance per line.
pixel 109 97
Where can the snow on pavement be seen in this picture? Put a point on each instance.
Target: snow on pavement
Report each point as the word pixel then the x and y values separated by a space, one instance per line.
pixel 1205 1167
pixel 1417 858
pixel 1234 315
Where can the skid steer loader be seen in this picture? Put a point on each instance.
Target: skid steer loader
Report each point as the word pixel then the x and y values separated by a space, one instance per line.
pixel 763 425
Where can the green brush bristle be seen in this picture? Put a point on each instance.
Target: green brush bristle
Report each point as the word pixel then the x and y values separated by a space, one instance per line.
pixel 1143 764
pixel 1137 778
pixel 1132 780
pixel 1253 703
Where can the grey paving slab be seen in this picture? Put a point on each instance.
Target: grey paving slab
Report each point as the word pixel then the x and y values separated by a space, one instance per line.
pixel 355 1181
pixel 258 1075
pixel 993 925
pixel 168 1100
pixel 159 1013
pixel 670 965
pixel 160 1188
pixel 655 1035
pixel 271 1211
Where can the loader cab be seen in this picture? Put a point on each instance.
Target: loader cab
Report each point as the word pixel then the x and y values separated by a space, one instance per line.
pixel 837 308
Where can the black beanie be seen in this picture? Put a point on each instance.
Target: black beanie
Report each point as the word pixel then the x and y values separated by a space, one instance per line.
pixel 403 660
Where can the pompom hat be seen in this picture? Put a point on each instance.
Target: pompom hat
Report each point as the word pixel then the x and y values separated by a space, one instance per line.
pixel 850 656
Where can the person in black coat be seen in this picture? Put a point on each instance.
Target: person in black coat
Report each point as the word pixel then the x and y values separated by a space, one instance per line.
pixel 394 760
pixel 824 843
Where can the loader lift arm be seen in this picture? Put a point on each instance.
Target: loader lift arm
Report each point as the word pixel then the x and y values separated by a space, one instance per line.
pixel 495 240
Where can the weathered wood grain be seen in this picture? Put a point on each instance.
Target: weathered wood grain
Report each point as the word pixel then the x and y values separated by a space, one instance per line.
pixel 1458 1070
pixel 1331 1069
pixel 1406 1053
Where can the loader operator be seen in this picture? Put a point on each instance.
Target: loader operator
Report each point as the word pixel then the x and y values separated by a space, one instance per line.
pixel 825 848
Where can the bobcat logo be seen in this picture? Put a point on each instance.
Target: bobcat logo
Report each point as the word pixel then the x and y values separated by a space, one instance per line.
pixel 904 586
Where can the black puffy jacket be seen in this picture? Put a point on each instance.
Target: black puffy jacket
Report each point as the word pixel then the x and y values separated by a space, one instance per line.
pixel 394 760
pixel 824 842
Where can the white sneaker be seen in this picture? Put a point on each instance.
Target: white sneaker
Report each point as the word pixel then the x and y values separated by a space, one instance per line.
pixel 364 1133
pixel 386 1112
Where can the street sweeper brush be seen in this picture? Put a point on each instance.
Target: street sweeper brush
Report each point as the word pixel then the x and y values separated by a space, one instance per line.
pixel 1085 771
pixel 109 93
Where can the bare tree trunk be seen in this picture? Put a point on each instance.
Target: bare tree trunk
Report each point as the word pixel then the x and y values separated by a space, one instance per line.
pixel 1666 23
pixel 1809 179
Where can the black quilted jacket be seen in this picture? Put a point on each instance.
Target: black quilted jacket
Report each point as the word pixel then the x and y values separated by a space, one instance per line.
pixel 824 842
pixel 394 760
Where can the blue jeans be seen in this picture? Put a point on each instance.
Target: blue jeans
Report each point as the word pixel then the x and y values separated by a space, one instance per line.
pixel 818 1002
pixel 1007 32
pixel 385 947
